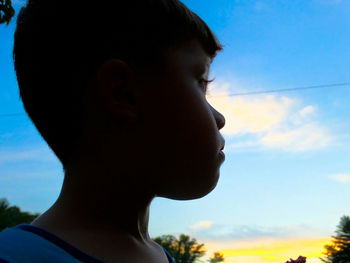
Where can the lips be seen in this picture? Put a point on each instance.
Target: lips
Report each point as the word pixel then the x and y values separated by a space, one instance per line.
pixel 222 142
pixel 222 156
pixel 223 146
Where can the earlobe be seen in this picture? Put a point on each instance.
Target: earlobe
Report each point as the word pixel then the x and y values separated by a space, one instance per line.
pixel 121 93
pixel 116 91
pixel 123 105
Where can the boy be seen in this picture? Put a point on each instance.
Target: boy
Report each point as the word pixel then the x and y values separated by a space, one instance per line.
pixel 117 90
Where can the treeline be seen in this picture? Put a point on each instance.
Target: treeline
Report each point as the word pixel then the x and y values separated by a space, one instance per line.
pixel 12 215
pixel 186 250
pixel 6 11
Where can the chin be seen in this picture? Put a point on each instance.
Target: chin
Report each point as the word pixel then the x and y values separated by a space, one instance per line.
pixel 193 191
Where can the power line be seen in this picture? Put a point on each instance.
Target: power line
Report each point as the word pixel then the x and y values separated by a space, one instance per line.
pixel 242 94
pixel 285 90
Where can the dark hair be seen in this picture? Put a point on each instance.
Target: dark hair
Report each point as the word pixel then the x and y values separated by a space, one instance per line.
pixel 60 44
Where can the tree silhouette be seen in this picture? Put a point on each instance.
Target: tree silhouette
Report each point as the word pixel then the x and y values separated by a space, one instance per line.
pixel 183 250
pixel 217 257
pixel 300 259
pixel 6 11
pixel 11 215
pixel 339 250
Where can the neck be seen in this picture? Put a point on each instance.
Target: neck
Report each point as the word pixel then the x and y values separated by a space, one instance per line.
pixel 100 209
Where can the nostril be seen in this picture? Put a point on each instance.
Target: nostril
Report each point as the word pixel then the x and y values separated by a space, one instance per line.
pixel 220 122
pixel 219 118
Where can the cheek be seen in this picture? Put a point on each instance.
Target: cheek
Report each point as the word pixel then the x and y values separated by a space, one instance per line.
pixel 190 121
pixel 180 124
pixel 187 134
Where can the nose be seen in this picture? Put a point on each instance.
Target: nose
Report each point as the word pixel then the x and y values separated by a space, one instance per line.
pixel 219 118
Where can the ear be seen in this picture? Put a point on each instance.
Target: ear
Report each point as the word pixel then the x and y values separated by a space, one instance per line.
pixel 116 90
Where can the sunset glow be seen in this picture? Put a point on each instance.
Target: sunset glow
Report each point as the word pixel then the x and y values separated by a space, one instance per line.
pixel 271 250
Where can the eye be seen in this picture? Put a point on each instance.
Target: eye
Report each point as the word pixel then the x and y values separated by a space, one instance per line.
pixel 203 83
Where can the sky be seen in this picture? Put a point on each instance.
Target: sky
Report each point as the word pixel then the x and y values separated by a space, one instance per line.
pixel 286 179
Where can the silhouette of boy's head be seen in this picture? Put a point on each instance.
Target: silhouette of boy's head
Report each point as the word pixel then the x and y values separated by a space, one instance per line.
pixel 64 50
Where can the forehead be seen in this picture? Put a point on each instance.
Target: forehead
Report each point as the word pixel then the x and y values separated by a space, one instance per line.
pixel 189 55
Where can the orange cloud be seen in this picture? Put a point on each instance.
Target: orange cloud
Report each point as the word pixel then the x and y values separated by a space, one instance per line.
pixel 270 250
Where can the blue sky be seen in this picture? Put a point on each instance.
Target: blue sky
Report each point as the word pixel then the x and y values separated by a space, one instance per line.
pixel 286 178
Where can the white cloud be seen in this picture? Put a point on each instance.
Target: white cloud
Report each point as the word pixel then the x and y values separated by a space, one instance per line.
pixel 39 154
pixel 341 178
pixel 307 111
pixel 300 139
pixel 245 232
pixel 250 115
pixel 270 121
pixel 202 225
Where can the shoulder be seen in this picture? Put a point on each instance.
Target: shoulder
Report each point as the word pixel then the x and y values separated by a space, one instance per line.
pixel 18 245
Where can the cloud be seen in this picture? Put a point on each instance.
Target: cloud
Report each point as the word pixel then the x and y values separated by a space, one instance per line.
pixel 300 139
pixel 307 111
pixel 202 225
pixel 269 121
pixel 208 230
pixel 37 153
pixel 341 178
pixel 249 115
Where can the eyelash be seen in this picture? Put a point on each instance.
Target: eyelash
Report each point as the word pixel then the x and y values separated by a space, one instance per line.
pixel 204 83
